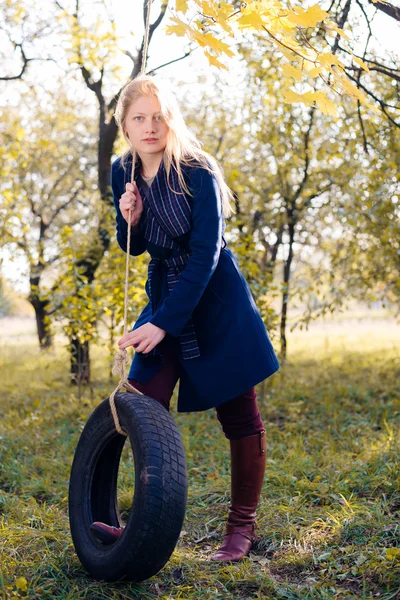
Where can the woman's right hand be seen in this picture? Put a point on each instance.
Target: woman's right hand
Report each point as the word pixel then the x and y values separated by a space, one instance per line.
pixel 131 199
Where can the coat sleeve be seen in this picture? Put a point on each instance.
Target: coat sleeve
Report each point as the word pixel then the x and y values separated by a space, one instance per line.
pixel 138 242
pixel 204 248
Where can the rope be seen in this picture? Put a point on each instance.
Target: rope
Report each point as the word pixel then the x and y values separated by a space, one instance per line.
pixel 121 358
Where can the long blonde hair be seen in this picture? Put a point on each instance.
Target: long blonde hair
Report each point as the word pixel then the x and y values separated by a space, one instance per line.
pixel 183 148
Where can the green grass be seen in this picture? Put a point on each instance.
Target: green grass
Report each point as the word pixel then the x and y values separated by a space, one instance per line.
pixel 329 518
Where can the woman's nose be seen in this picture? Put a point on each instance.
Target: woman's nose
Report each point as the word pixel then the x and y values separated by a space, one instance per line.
pixel 150 126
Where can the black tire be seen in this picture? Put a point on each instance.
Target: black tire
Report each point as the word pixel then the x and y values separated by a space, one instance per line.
pixel 160 491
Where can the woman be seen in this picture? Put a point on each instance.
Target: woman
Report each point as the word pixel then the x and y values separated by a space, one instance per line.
pixel 201 324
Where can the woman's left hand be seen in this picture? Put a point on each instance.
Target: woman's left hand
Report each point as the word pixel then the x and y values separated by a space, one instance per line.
pixel 144 338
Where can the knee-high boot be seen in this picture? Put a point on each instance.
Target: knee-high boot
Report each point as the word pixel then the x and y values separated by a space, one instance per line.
pixel 106 533
pixel 248 459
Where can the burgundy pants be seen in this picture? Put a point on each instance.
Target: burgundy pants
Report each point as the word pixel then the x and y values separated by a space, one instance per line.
pixel 239 417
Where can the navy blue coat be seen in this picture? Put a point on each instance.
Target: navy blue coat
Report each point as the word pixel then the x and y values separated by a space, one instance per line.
pixel 236 352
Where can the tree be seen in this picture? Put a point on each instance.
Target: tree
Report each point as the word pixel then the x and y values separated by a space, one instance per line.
pixel 21 30
pixel 346 13
pixel 365 261
pixel 91 52
pixel 92 49
pixel 306 37
pixel 47 183
pixel 309 37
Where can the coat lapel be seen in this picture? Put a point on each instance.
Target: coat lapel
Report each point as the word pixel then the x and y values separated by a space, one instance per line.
pixel 170 209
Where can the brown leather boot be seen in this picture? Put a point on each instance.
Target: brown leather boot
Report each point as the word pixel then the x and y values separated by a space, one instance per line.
pixel 248 458
pixel 106 533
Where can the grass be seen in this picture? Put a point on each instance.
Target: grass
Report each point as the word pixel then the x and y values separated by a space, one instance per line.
pixel 329 518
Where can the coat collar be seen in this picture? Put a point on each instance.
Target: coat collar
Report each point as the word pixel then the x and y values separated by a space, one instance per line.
pixel 168 211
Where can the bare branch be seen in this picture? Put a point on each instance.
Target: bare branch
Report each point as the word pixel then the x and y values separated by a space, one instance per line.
pixel 365 142
pixel 387 8
pixel 307 157
pixel 381 103
pixel 25 62
pixel 153 27
pixel 372 62
pixel 59 179
pixel 366 18
pixel 390 74
pixel 65 204
pixel 310 197
pixel 341 23
pixel 137 61
pixel 173 61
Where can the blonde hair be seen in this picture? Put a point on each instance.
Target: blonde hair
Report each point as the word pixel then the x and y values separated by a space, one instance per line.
pixel 183 148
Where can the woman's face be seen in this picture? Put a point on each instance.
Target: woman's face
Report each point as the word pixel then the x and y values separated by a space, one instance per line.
pixel 145 126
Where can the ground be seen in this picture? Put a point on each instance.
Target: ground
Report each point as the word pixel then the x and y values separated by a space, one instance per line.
pixel 329 518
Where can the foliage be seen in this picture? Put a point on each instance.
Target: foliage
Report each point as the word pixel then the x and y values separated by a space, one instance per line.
pixel 110 277
pixel 306 38
pixel 288 27
pixel 294 192
pixel 367 255
pixel 44 186
pixel 292 167
pixel 85 308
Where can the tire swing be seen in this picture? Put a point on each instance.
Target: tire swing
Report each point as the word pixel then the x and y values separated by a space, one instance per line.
pixel 160 490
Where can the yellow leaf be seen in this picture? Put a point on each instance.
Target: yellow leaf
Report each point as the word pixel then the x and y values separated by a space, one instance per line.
pixel 287 53
pixel 22 584
pixel 350 88
pixel 199 38
pixel 291 96
pixel 179 27
pixel 372 107
pixel 222 14
pixel 361 63
pixel 393 553
pixel 310 98
pixel 306 53
pixel 213 60
pixel 341 32
pixel 328 59
pixel 309 17
pixel 208 9
pixel 290 71
pixel 251 20
pixel 217 44
pixel 315 72
pixel 325 105
pixel 182 5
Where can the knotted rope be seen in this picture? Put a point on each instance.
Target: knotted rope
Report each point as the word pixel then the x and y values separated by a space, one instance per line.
pixel 121 359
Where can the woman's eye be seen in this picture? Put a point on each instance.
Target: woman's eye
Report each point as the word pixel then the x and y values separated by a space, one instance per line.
pixel 137 118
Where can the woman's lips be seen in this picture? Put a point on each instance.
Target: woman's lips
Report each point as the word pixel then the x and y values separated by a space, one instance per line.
pixel 151 141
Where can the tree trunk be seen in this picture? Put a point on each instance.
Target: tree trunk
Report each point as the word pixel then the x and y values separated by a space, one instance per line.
pixel 43 328
pixel 285 295
pixel 80 362
pixel 40 308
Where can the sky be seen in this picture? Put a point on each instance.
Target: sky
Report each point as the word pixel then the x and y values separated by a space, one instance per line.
pixel 163 48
